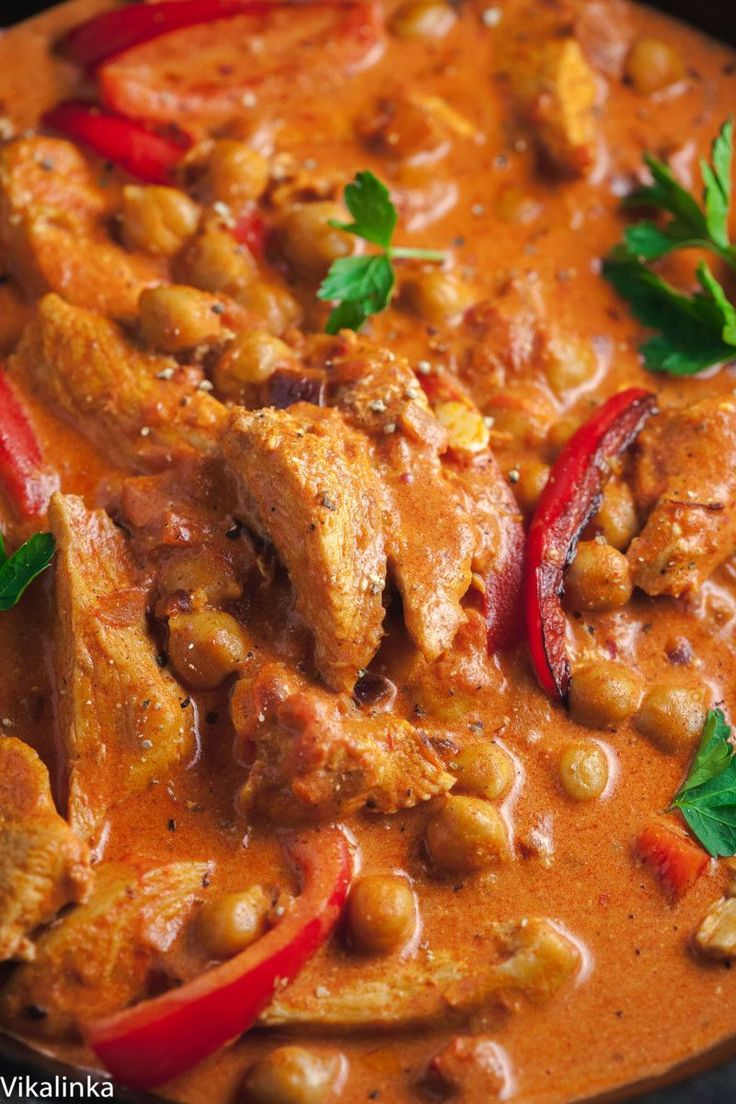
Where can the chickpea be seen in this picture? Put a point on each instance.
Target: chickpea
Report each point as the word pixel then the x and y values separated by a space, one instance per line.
pixel 616 518
pixel 229 924
pixel 523 413
pixel 568 364
pixel 236 173
pixel 205 647
pixel 175 317
pixel 652 65
pixel 215 261
pixel 437 296
pixel 533 478
pixel 598 578
pixel 672 717
pixel 583 771
pixel 381 913
pixel 309 243
pixel 157 220
pixel 249 360
pixel 423 19
pixel 604 694
pixel 294 1075
pixel 205 578
pixel 466 834
pixel 276 306
pixel 483 770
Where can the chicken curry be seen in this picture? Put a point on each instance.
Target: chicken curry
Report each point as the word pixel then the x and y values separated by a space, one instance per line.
pixel 368 496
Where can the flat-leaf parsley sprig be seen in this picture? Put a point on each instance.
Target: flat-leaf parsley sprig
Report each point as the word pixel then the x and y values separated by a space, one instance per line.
pixel 362 286
pixel 18 571
pixel 695 331
pixel 707 797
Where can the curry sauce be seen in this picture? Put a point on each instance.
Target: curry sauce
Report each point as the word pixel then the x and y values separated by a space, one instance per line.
pixel 285 541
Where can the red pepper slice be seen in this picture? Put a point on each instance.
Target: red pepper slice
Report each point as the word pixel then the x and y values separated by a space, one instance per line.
pixel 140 151
pixel 502 601
pixel 112 32
pixel 25 481
pixel 571 497
pixel 205 76
pixel 676 860
pixel 155 1041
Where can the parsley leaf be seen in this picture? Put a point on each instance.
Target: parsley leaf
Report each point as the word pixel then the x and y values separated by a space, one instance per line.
pixel 717 180
pixel 368 201
pixel 696 331
pixel 707 798
pixel 362 286
pixel 18 571
pixel 690 225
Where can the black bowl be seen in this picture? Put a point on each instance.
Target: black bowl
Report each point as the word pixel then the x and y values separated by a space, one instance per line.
pixel 716 1085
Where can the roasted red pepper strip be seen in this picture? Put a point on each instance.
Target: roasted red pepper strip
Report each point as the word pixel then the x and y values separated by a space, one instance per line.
pixel 24 479
pixel 502 604
pixel 141 152
pixel 250 230
pixel 676 860
pixel 570 498
pixel 113 32
pixel 155 1041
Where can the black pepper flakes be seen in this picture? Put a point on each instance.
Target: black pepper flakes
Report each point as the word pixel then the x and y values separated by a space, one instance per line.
pixel 171 824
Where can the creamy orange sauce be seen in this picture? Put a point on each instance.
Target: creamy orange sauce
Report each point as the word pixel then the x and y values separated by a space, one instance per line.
pixel 643 1002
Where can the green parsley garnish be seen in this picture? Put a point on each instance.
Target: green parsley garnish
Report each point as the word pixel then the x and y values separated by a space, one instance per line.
pixel 707 797
pixel 18 571
pixel 362 286
pixel 695 331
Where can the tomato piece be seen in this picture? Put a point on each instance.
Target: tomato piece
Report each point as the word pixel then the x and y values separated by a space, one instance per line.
pixel 250 230
pixel 25 480
pixel 155 1041
pixel 675 859
pixel 141 152
pixel 206 73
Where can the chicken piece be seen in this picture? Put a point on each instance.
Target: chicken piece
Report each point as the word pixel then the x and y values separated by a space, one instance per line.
pixel 304 481
pixel 430 534
pixel 141 411
pixel 716 936
pixel 530 959
pixel 317 757
pixel 469 1068
pixel 431 542
pixel 505 338
pixel 688 488
pixel 43 865
pixel 555 92
pixel 52 230
pixel 123 720
pixel 100 957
